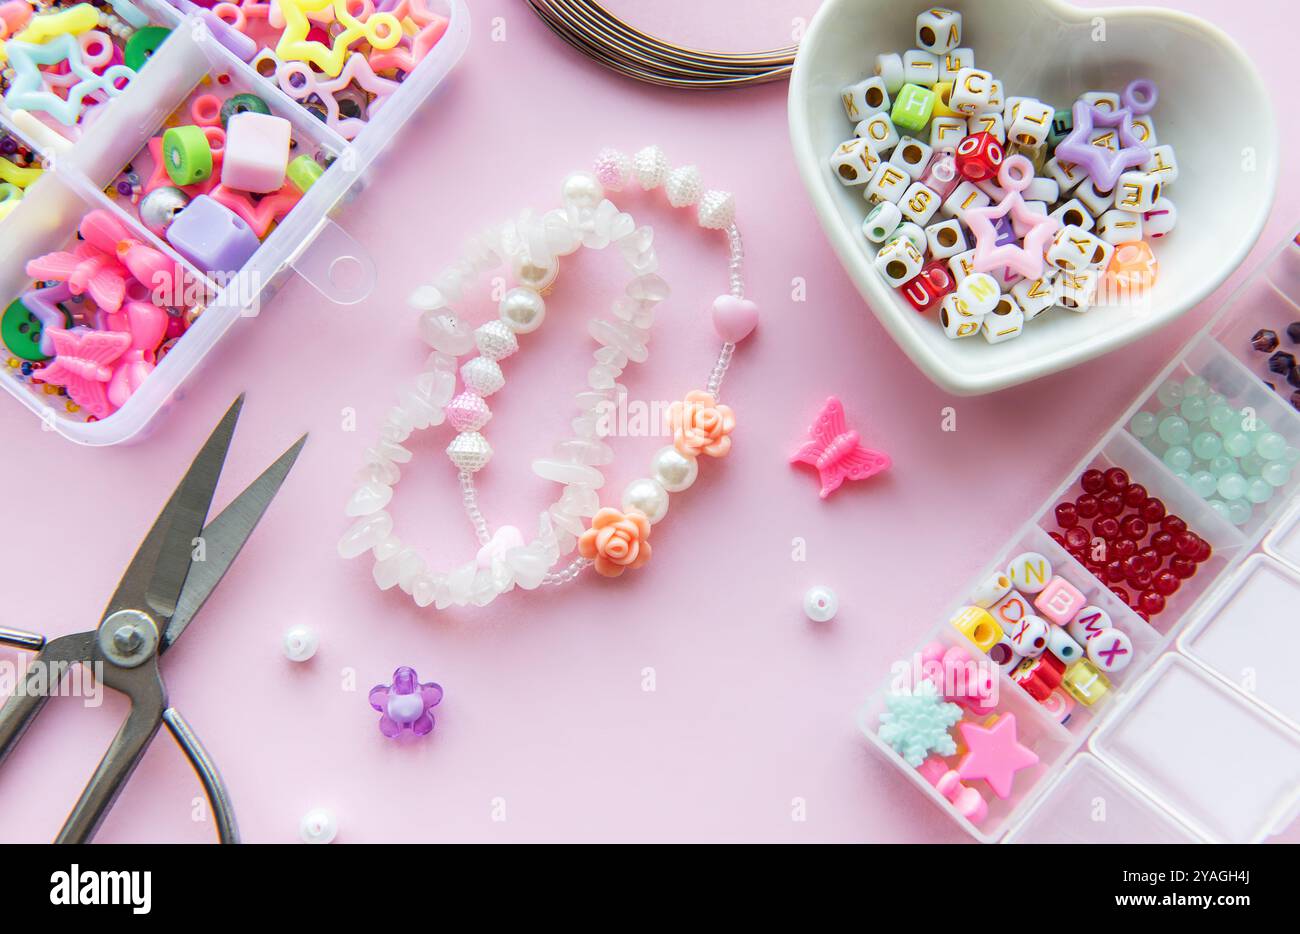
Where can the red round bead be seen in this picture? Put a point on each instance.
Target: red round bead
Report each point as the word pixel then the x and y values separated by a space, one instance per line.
pixel 1141 580
pixel 1092 481
pixel 1115 571
pixel 1116 479
pixel 1146 617
pixel 1187 543
pixel 1135 527
pixel 1112 504
pixel 1119 592
pixel 1087 506
pixel 1123 547
pixel 1203 552
pixel 1067 515
pixel 1150 558
pixel 1182 566
pixel 1134 565
pixel 1135 495
pixel 1106 526
pixel 1057 537
pixel 1151 602
pixel 1166 583
pixel 1152 509
pixel 1173 525
pixel 1163 543
pixel 1077 538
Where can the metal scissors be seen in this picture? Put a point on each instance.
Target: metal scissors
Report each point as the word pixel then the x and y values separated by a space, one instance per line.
pixel 174 571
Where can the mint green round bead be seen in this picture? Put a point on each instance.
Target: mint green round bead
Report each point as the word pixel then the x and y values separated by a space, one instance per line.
pixel 1270 445
pixel 1222 464
pixel 1142 425
pixel 1232 486
pixel 1258 490
pixel 1237 444
pixel 1291 456
pixel 1195 386
pixel 1251 465
pixel 1215 398
pixel 1220 507
pixel 1184 476
pixel 1203 483
pixel 1276 473
pixel 1194 409
pixel 1174 430
pixel 1177 458
pixel 1223 419
pixel 1239 512
pixel 1207 445
pixel 1170 393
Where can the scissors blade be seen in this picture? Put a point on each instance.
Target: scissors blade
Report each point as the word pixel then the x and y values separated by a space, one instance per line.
pixel 156 574
pixel 223 538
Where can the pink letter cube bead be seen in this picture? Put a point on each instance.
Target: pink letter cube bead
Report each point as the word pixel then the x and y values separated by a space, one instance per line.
pixel 1060 601
pixel 257 152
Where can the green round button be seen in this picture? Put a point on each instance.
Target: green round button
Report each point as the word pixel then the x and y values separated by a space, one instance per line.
pixel 187 155
pixel 142 44
pixel 242 104
pixel 21 331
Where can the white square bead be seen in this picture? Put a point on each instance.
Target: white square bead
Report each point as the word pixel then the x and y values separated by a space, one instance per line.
pixel 1144 128
pixel 938 30
pixel 881 222
pixel 912 156
pixel 1033 121
pixel 971 91
pixel 919 203
pixel 1074 213
pixel 1119 226
pixel 889 67
pixel 920 68
pixel 1076 291
pixel 1067 175
pixel 991 123
pixel 953 61
pixel 1103 100
pixel 996 98
pixel 256 153
pixel 945 238
pixel 1137 191
pixel 956 318
pixel 864 98
pixel 899 261
pixel 1004 322
pixel 947 132
pixel 888 184
pixel 964 197
pixel 1074 248
pixel 878 130
pixel 962 265
pixel 1160 220
pixel 1034 296
pixel 1097 202
pixel 854 162
pixel 1042 189
pixel 1162 164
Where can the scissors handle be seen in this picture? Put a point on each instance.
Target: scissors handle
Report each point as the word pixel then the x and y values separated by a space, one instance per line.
pixel 223 812
pixel 21 709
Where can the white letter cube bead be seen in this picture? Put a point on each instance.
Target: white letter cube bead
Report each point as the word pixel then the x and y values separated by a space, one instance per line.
pixel 953 61
pixel 1089 621
pixel 1160 219
pixel 865 98
pixel 980 292
pixel 878 130
pixel 1011 611
pixel 1067 175
pixel 912 156
pixel 957 319
pixel 888 184
pixel 990 123
pixel 945 238
pixel 1144 128
pixel 947 132
pixel 964 197
pixel 1110 650
pixel 889 66
pixel 1137 191
pixel 881 222
pixel 1119 226
pixel 854 162
pixel 938 30
pixel 1042 189
pixel 899 261
pixel 1004 322
pixel 1032 122
pixel 1030 572
pixel 911 232
pixel 1097 202
pixel 962 265
pixel 1075 248
pixel 1062 646
pixel 971 90
pixel 992 589
pixel 996 101
pixel 919 203
pixel 256 152
pixel 1107 101
pixel 1073 213
pixel 921 68
pixel 1162 164
pixel 1034 296
pixel 1076 291
pixel 1030 637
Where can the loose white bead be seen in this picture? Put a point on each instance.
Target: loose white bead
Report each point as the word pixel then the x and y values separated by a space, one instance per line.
pixel 648 496
pixel 482 376
pixel 470 451
pixel 684 186
pixel 821 604
pixel 300 643
pixel 495 340
pixel 674 470
pixel 318 826
pixel 717 210
pixel 651 167
pixel 523 310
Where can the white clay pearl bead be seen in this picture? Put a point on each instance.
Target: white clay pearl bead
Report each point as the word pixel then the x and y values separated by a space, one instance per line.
pixel 684 186
pixel 482 376
pixel 717 210
pixel 674 470
pixel 300 643
pixel 318 826
pixel 523 309
pixel 495 340
pixel 648 496
pixel 470 451
pixel 582 190
pixel 613 169
pixel 650 166
pixel 821 604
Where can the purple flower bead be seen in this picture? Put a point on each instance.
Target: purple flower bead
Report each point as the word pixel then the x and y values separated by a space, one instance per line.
pixel 405 704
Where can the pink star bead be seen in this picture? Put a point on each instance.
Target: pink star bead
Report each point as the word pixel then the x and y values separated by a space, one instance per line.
pixel 1014 176
pixel 993 754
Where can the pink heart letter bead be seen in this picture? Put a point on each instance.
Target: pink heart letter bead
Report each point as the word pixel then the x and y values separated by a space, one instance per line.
pixel 734 318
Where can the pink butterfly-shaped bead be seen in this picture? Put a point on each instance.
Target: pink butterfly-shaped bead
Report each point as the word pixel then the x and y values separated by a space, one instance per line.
pixel 836 452
pixel 83 364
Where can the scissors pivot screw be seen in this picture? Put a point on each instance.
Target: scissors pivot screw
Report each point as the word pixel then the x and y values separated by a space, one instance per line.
pixel 128 638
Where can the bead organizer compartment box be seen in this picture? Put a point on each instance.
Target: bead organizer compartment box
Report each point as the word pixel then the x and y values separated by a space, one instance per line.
pixel 1206 701
pixel 110 166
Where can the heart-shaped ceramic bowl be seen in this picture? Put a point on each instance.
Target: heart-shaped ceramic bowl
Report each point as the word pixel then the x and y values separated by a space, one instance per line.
pixel 1213 109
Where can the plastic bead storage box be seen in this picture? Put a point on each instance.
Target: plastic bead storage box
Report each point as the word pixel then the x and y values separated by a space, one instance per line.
pixel 198 76
pixel 1190 714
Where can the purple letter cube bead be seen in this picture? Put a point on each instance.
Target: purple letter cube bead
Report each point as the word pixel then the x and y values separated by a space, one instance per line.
pixel 212 237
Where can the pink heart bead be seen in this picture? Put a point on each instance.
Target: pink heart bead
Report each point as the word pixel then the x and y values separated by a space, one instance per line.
pixel 734 318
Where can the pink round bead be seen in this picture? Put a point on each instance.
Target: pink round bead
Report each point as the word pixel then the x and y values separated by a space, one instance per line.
pixel 468 411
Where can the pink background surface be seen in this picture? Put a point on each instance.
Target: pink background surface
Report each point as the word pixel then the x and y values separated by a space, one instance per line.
pixel 545 711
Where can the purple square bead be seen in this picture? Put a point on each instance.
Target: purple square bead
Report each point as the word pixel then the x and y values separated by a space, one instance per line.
pixel 212 237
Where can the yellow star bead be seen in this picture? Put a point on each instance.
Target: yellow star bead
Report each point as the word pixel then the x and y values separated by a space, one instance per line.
pixel 381 30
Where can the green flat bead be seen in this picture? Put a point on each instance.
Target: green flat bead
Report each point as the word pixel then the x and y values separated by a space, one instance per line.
pixel 142 44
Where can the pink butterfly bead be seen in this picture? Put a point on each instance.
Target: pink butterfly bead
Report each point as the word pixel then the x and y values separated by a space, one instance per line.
pixel 835 450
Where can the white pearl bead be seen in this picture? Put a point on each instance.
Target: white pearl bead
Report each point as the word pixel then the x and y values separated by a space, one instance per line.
pixel 648 496
pixel 674 470
pixel 821 604
pixel 536 274
pixel 300 643
pixel 523 309
pixel 582 190
pixel 318 826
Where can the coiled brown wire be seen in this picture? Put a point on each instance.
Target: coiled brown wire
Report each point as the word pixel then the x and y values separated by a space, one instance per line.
pixel 602 36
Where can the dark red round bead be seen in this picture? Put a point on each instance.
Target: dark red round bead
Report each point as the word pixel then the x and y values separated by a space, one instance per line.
pixel 1135 495
pixel 1142 580
pixel 1166 583
pixel 1146 617
pixel 1151 602
pixel 1106 526
pixel 1152 509
pixel 1203 552
pixel 1077 538
pixel 1163 543
pixel 1135 527
pixel 1173 525
pixel 1092 481
pixel 1119 592
pixel 1115 572
pixel 1116 479
pixel 1187 543
pixel 1067 515
pixel 1087 506
pixel 1150 558
pixel 1112 504
pixel 1123 547
pixel 1057 537
pixel 1183 567
pixel 1134 565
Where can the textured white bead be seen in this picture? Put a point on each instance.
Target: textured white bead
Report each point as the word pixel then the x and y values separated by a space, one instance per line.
pixel 647 496
pixel 684 186
pixel 468 412
pixel 613 168
pixel 495 340
pixel 368 498
pixel 446 333
pixel 470 451
pixel 651 167
pixel 717 210
pixel 365 533
pixel 578 500
pixel 482 376
pixel 674 470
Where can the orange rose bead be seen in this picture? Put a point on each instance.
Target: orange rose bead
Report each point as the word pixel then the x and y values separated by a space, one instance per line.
pixel 616 541
pixel 700 425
